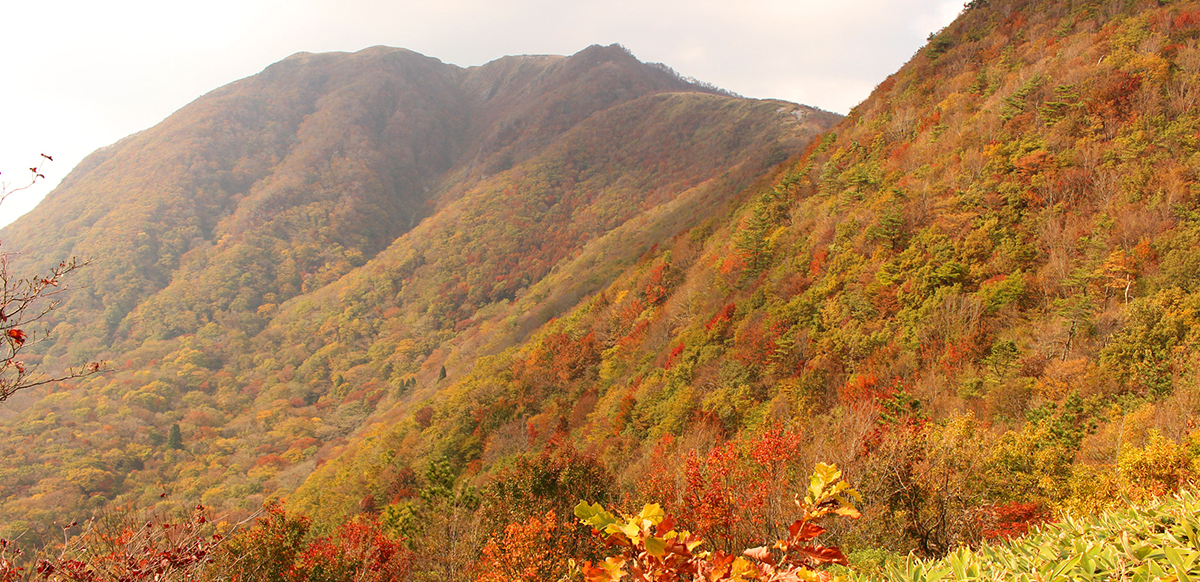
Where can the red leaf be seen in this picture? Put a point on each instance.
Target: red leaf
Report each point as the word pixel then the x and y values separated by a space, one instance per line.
pixel 824 555
pixel 17 336
pixel 806 532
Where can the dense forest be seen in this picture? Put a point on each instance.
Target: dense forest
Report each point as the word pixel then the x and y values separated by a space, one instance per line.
pixel 384 317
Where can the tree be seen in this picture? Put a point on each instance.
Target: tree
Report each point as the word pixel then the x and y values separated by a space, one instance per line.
pixel 175 438
pixel 24 301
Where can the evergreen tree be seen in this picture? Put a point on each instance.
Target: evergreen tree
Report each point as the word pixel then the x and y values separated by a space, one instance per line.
pixel 175 439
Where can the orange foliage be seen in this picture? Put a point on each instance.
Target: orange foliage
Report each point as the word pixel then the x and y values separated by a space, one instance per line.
pixel 530 550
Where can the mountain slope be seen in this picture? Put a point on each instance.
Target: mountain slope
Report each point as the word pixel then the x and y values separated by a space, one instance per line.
pixel 300 249
pixel 976 294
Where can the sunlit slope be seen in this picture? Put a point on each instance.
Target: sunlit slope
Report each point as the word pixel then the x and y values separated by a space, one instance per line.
pixel 304 248
pixel 978 289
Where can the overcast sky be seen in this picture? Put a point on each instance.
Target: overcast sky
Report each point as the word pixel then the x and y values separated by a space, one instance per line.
pixel 76 75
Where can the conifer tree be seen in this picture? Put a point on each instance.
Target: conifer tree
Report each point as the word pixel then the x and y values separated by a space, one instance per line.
pixel 175 439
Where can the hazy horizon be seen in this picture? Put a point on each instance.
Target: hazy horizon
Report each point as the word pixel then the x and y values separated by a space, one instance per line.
pixel 88 75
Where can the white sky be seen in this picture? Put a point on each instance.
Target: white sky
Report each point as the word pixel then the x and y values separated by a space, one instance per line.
pixel 76 75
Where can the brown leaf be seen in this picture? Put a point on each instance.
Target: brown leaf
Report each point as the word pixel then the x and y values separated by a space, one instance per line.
pixel 823 555
pixel 762 554
pixel 803 531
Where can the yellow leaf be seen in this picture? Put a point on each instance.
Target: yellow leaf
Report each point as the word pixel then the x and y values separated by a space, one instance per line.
pixel 744 569
pixel 848 511
pixel 653 513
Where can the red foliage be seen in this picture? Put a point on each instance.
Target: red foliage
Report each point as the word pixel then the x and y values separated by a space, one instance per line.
pixel 151 551
pixel 719 323
pixel 303 443
pixel 659 481
pixel 882 88
pixel 775 448
pixel 17 336
pixel 357 551
pixel 817 262
pixel 719 506
pixel 559 358
pixel 635 335
pixel 900 152
pixel 277 548
pixel 650 549
pixel 900 417
pixel 929 122
pixel 733 265
pixel 626 316
pixel 757 342
pixel 709 492
pixel 272 460
pixel 1013 520
pixel 1113 99
pixel 859 390
pixel 1013 24
pixel 672 356
pixel 1186 22
pixel 658 284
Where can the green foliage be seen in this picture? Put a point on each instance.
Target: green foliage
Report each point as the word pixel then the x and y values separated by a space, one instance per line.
pixel 1156 327
pixel 1153 542
pixel 175 437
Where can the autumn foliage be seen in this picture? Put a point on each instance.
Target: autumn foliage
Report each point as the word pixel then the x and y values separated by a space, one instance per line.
pixel 651 549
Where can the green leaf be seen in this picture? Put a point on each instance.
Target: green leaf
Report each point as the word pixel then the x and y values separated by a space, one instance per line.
pixel 656 547
pixel 595 515
pixel 1059 572
pixel 1181 562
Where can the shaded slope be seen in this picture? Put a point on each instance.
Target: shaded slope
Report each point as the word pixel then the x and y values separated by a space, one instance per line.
pixel 297 250
pixel 295 176
pixel 288 158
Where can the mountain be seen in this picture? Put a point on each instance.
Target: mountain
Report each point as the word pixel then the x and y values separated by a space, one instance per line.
pixel 309 250
pixel 975 294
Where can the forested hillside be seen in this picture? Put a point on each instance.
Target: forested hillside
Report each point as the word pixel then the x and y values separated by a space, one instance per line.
pixel 312 249
pixel 976 294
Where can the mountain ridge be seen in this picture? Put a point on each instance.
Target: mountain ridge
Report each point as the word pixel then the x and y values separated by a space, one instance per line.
pixel 294 251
